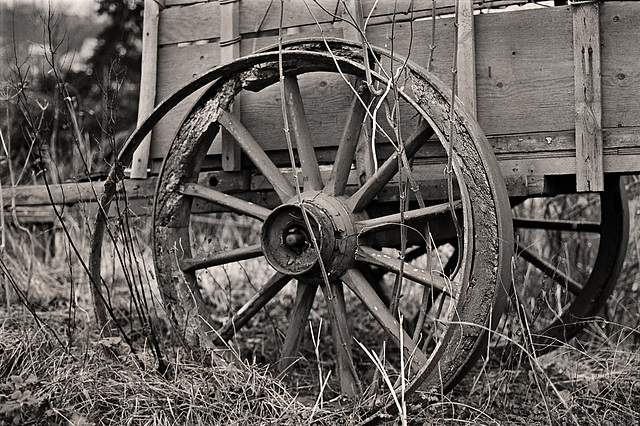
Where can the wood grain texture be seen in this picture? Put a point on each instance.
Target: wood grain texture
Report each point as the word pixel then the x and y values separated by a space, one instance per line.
pixel 264 15
pixel 229 51
pixel 588 97
pixel 524 68
pixel 72 193
pixel 177 66
pixel 467 56
pixel 524 74
pixel 353 24
pixel 166 129
pixel 620 65
pixel 147 84
pixel 168 3
pixel 497 101
pixel 326 101
pixel 200 21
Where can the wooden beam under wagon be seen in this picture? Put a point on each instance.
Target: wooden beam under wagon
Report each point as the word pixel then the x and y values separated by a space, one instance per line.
pixel 72 193
pixel 41 204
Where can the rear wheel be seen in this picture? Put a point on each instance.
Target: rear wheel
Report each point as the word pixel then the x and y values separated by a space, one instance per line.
pixel 569 254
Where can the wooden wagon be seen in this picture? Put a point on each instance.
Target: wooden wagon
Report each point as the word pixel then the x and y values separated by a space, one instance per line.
pixel 332 125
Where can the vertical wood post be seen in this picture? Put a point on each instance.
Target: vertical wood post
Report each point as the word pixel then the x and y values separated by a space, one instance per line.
pixel 148 75
pixel 466 56
pixel 588 97
pixel 230 50
pixel 354 14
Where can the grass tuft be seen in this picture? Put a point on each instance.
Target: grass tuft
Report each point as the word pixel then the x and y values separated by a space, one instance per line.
pixel 43 383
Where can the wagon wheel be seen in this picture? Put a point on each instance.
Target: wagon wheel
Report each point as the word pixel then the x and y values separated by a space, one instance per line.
pixel 325 231
pixel 321 234
pixel 569 254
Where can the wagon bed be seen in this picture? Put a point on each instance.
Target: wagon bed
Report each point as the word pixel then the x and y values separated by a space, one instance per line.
pixel 524 78
pixel 546 110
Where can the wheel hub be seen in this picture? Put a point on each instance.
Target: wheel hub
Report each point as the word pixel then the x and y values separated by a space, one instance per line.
pixel 287 240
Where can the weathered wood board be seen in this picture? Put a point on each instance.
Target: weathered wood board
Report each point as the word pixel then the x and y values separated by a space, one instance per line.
pixel 35 203
pixel 524 72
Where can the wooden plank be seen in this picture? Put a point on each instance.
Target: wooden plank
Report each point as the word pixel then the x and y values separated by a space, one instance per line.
pixel 353 24
pixel 165 130
pixel 524 68
pixel 230 50
pixel 229 30
pixel 179 65
pixel 176 67
pixel 191 20
pixel 169 3
pixel 466 56
pixel 620 69
pixel 324 94
pixel 523 177
pixel 588 97
pixel 354 29
pixel 147 83
pixel 191 23
pixel 72 193
pixel 377 11
pixel 502 97
pixel 523 147
pixel 32 215
pixel 254 44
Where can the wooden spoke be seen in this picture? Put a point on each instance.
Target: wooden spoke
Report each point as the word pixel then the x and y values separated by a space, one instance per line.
pixel 421 276
pixel 257 302
pixel 549 270
pixel 305 294
pixel 557 225
pixel 256 154
pixel 304 143
pixel 346 149
pixel 354 279
pixel 393 220
pixel 220 258
pixel 367 192
pixel 349 382
pixel 232 203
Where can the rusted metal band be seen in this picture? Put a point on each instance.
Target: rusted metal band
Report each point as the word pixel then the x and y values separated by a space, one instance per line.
pixel 160 4
pixel 580 2
pixel 230 41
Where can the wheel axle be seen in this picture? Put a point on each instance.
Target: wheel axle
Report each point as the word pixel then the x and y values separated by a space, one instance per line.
pixel 297 239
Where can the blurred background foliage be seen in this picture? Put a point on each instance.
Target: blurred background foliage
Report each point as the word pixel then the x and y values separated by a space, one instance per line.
pixel 68 88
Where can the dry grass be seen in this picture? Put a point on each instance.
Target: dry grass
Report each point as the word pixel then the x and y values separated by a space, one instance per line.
pixel 44 383
pixel 56 371
pixel 574 387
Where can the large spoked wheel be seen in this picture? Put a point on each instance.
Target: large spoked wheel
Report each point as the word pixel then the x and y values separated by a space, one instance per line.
pixel 323 231
pixel 570 250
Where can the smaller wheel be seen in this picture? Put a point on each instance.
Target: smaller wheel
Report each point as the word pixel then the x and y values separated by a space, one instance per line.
pixel 569 254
